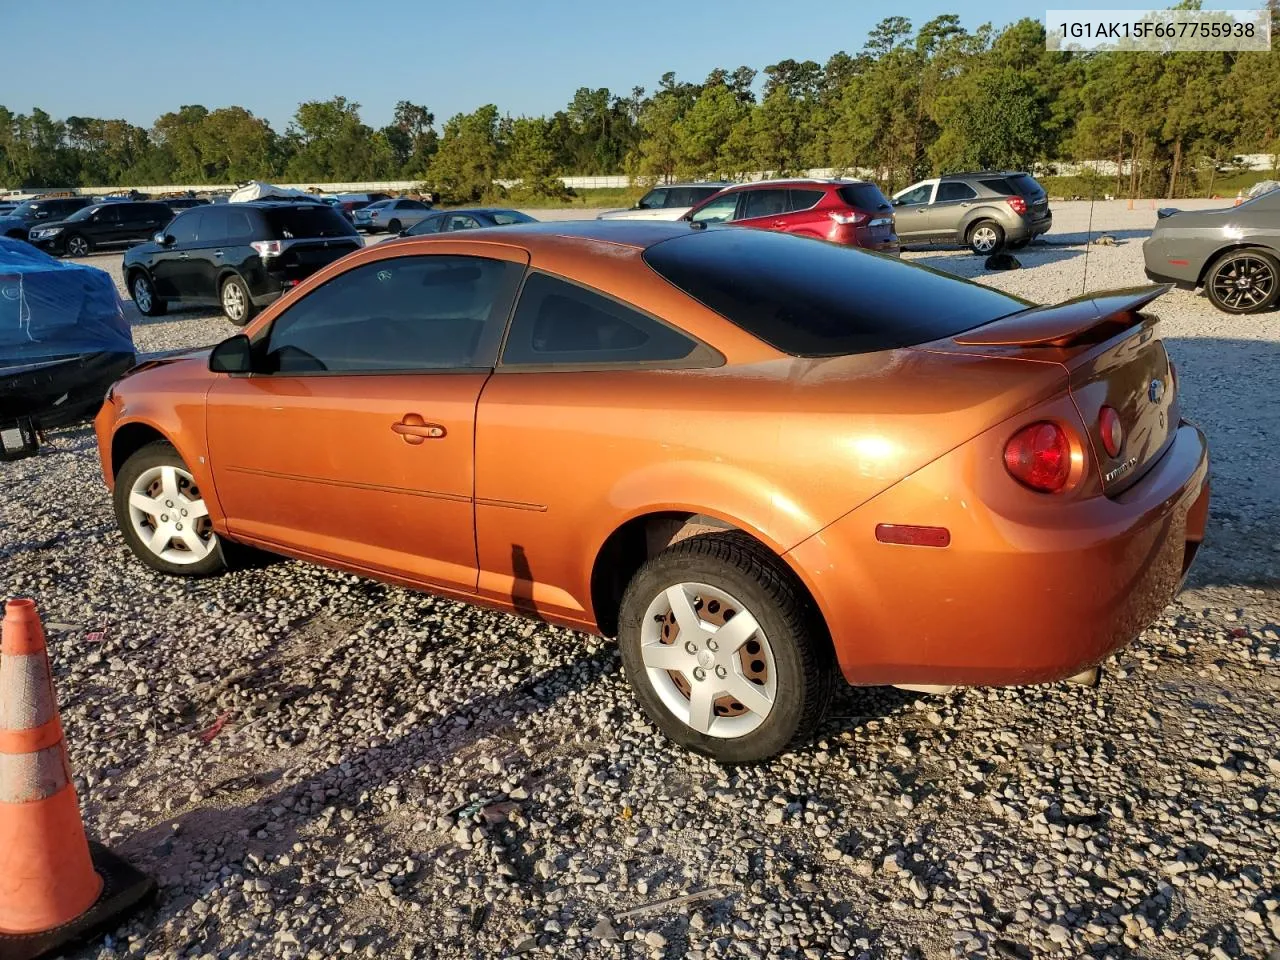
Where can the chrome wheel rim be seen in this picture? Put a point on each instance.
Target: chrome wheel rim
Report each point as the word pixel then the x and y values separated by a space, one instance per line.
pixel 77 247
pixel 142 294
pixel 170 517
pixel 233 301
pixel 984 239
pixel 708 660
pixel 1244 282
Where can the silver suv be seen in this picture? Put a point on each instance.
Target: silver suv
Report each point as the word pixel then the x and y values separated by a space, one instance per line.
pixel 987 210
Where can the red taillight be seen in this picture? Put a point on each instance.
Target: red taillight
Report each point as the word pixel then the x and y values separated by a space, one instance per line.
pixel 1018 204
pixel 848 217
pixel 1111 430
pixel 1039 456
pixel 268 248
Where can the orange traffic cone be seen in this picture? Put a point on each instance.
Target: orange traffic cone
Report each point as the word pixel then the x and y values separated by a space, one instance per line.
pixel 55 886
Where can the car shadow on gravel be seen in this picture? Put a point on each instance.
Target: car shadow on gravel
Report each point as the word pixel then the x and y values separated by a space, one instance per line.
pixel 965 264
pixel 311 800
pixel 174 313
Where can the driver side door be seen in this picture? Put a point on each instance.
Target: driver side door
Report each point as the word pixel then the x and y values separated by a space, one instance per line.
pixel 911 210
pixel 354 445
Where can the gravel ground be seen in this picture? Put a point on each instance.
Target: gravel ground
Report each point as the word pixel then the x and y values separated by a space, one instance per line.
pixel 313 764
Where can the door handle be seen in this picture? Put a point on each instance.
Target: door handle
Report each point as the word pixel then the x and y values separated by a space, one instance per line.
pixel 184 256
pixel 779 223
pixel 217 253
pixel 413 429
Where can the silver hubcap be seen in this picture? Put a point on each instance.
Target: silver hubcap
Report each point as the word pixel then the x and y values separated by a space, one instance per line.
pixel 709 660
pixel 1244 282
pixel 169 516
pixel 77 247
pixel 233 301
pixel 142 294
pixel 984 239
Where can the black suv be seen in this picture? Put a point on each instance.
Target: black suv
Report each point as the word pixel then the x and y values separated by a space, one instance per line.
pixel 240 255
pixel 25 215
pixel 114 224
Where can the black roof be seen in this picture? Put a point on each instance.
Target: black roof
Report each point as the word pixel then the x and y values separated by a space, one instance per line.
pixel 985 173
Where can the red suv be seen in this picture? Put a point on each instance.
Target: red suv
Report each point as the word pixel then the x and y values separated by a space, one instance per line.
pixel 852 212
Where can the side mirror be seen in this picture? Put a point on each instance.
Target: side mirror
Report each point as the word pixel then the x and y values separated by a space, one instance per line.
pixel 164 239
pixel 233 355
pixel 42 214
pixel 898 202
pixel 404 232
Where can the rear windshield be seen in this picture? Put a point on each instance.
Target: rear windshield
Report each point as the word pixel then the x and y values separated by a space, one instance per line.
pixel 810 298
pixel 1026 185
pixel 504 217
pixel 311 220
pixel 864 196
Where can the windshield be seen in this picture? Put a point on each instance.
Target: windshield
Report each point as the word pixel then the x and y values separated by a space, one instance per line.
pixel 24 209
pixel 84 213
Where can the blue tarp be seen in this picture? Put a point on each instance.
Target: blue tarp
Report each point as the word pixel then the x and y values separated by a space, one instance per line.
pixel 51 308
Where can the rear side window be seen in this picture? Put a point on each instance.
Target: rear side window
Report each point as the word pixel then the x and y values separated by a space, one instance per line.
pixel 306 221
pixel 238 226
pixel 819 299
pixel 1000 185
pixel 867 196
pixel 954 190
pixel 557 322
pixel 763 203
pixel 803 199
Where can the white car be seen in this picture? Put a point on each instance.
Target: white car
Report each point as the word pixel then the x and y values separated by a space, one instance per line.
pixel 668 202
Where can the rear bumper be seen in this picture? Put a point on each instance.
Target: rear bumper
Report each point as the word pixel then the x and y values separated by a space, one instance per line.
pixel 1029 591
pixel 1029 229
pixel 62 391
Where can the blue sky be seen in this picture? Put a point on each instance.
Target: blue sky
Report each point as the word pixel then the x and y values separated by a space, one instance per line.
pixel 136 61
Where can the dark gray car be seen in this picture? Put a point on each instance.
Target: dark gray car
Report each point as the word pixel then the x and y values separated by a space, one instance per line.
pixel 985 211
pixel 1234 252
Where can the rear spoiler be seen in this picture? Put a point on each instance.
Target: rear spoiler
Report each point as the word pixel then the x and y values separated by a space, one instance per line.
pixel 1066 323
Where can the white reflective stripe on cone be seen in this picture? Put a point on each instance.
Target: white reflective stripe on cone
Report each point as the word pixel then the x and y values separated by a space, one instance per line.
pixel 26 694
pixel 26 777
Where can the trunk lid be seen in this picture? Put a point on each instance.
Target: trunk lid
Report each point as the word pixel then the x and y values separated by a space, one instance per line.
pixel 1114 358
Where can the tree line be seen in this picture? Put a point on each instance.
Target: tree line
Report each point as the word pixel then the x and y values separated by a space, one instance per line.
pixel 912 102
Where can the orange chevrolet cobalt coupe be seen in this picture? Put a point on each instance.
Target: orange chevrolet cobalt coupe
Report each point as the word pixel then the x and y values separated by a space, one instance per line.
pixel 752 457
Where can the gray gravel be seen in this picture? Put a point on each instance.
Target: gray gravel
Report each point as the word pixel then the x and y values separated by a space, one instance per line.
pixel 400 776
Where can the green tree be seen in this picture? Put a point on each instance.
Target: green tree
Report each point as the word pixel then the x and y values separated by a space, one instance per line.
pixel 463 170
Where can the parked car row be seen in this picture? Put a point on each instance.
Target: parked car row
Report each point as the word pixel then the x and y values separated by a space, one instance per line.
pixel 986 210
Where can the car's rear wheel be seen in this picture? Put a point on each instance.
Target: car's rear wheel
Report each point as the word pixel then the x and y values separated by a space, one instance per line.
pixel 237 306
pixel 144 297
pixel 985 237
pixel 162 514
pixel 1243 281
pixel 393 226
pixel 77 246
pixel 724 650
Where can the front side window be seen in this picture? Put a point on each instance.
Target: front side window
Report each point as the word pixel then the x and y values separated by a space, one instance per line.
pixel 460 221
pixel 653 200
pixel 917 194
pixel 185 228
pixel 403 314
pixel 557 322
pixel 718 210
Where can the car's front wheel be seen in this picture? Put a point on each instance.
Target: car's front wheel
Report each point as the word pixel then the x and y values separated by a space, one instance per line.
pixel 724 650
pixel 78 246
pixel 237 306
pixel 144 297
pixel 985 237
pixel 163 516
pixel 1243 281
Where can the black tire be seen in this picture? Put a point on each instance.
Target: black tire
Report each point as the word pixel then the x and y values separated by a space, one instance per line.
pixel 393 226
pixel 797 638
pixel 246 310
pixel 153 455
pixel 144 292
pixel 1243 281
pixel 77 245
pixel 976 237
